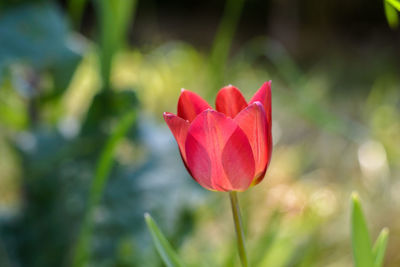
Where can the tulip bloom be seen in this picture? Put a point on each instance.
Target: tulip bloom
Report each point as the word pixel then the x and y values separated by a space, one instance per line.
pixel 229 148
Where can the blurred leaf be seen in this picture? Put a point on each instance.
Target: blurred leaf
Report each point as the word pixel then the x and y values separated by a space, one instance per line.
pixel 107 107
pixel 106 158
pixel 98 185
pixel 279 253
pixel 162 245
pixel 362 249
pixel 391 13
pixel 267 239
pixel 125 253
pixel 380 247
pixel 36 34
pixel 394 3
pixel 114 16
pixel 13 113
pixel 4 257
pixel 304 254
pixel 222 42
pixel 298 98
pixel 75 9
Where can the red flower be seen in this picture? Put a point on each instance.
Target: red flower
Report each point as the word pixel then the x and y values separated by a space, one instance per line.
pixel 227 149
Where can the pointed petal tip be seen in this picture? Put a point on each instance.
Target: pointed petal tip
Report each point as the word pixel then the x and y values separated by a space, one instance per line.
pixel 229 86
pixel 183 90
pixel 168 115
pixel 268 84
pixel 257 103
pixel 208 110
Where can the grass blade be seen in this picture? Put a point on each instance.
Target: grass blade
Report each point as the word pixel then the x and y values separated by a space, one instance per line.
pixel 362 248
pixel 167 253
pixel 104 166
pixel 380 247
pixel 115 18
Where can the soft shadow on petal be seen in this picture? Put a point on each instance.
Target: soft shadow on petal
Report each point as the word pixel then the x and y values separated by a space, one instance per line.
pixel 190 105
pixel 253 122
pixel 237 160
pixel 199 163
pixel 216 150
pixel 230 101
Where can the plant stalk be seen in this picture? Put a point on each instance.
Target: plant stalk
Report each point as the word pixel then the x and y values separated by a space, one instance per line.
pixel 237 218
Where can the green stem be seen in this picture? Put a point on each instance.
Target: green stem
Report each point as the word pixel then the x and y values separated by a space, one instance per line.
pixel 237 218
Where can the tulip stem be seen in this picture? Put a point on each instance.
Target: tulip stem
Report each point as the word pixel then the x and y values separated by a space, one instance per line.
pixel 237 218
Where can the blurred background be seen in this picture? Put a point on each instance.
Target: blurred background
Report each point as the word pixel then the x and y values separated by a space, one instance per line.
pixel 84 151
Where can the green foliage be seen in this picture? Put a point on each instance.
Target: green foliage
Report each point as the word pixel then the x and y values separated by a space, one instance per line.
pixel 36 34
pixel 318 103
pixel 364 255
pixel 13 112
pixel 103 169
pixel 162 245
pixel 394 3
pixel 75 9
pixel 114 17
pixel 267 240
pixel 391 14
pixel 380 247
pixel 222 42
pixel 362 248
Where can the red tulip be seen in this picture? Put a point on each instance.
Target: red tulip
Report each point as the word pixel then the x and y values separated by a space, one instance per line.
pixel 227 149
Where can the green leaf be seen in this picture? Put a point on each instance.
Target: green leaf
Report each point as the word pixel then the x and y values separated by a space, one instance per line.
pixel 115 17
pixel 362 248
pixel 75 10
pixel 223 41
pixel 163 247
pixel 38 35
pixel 391 15
pixel 394 3
pixel 103 170
pixel 380 247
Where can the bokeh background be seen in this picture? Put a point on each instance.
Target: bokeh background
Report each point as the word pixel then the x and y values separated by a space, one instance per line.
pixel 84 152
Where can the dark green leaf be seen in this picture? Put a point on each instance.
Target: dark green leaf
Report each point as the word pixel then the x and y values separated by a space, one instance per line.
pixel 102 174
pixel 37 35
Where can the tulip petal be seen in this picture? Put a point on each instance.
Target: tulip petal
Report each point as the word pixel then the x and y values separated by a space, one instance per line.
pixel 264 96
pixel 254 124
pixel 218 153
pixel 190 105
pixel 230 101
pixel 179 128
